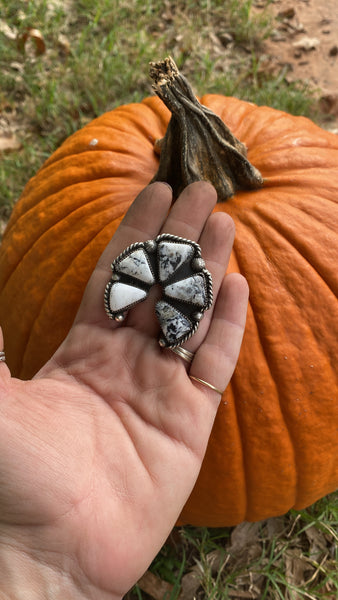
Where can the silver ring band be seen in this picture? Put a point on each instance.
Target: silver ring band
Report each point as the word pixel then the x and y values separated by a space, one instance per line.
pixel 183 353
pixel 2 356
pixel 207 384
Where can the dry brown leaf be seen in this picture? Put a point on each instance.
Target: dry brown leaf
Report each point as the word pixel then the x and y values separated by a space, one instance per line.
pixel 189 584
pixel 306 43
pixel 329 104
pixel 9 142
pixel 64 45
pixel 295 567
pixel 9 32
pixel 245 544
pixel 17 66
pixel 317 541
pixel 245 534
pixel 275 527
pixel 154 586
pixel 287 13
pixel 217 559
pixel 35 36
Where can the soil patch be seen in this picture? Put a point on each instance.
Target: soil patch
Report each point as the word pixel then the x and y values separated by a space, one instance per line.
pixel 305 42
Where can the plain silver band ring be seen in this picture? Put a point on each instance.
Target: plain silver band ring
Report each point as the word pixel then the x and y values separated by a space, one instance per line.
pixel 2 356
pixel 207 384
pixel 183 353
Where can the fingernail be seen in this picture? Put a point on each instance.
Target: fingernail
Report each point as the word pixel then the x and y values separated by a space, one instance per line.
pixel 167 184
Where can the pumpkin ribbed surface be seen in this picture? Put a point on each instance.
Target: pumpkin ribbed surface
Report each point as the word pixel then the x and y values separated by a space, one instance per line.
pixel 274 442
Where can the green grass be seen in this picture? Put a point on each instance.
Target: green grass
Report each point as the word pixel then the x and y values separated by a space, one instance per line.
pixel 286 558
pixel 96 57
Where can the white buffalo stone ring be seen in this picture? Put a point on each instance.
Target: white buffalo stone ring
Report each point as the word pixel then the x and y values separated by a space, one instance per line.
pixel 177 266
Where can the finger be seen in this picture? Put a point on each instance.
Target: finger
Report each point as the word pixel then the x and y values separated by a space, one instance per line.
pixel 3 365
pixel 143 221
pixel 191 210
pixel 217 356
pixel 186 219
pixel 216 242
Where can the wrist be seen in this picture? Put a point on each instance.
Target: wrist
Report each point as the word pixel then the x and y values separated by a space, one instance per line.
pixel 22 577
pixel 26 578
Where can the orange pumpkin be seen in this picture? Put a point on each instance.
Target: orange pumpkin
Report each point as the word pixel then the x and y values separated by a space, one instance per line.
pixel 274 442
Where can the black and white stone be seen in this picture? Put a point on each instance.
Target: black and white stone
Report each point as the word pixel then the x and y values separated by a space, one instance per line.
pixel 122 296
pixel 171 256
pixel 136 265
pixel 174 324
pixel 191 290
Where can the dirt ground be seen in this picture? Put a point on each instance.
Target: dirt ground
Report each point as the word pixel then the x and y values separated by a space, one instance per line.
pixel 305 42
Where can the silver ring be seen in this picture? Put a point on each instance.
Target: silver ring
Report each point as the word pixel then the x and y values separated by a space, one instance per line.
pixel 207 384
pixel 174 263
pixel 2 356
pixel 183 353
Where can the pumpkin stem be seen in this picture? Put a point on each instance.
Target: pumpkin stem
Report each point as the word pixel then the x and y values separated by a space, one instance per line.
pixel 197 145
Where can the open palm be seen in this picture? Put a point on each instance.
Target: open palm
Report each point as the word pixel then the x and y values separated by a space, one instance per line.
pixel 100 451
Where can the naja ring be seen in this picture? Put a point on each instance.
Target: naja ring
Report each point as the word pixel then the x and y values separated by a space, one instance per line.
pixel 2 356
pixel 207 384
pixel 183 353
pixel 174 263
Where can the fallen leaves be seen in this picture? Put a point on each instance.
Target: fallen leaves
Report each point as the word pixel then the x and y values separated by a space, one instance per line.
pixel 9 140
pixel 154 586
pixel 306 43
pixel 30 46
pixel 255 560
pixel 35 38
pixel 9 32
pixel 30 34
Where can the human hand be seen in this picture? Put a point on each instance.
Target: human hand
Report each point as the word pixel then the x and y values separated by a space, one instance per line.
pixel 100 451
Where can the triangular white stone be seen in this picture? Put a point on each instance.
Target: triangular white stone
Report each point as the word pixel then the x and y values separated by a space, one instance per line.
pixel 173 324
pixel 136 265
pixel 171 255
pixel 191 289
pixel 122 296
